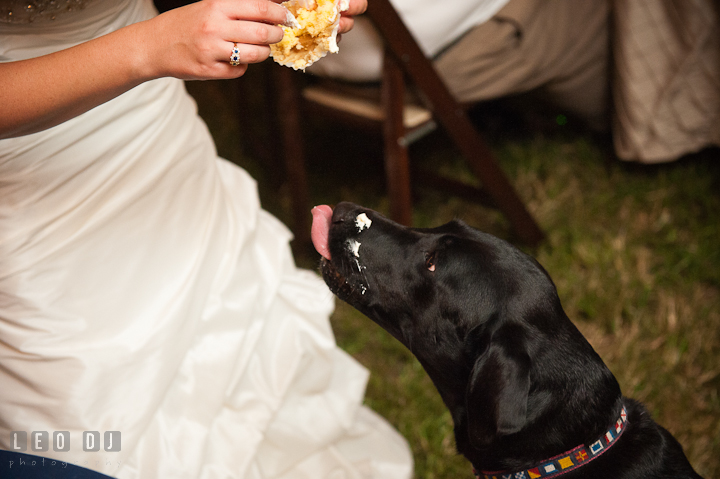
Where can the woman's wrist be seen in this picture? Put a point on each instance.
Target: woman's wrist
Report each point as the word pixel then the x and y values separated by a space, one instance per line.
pixel 141 52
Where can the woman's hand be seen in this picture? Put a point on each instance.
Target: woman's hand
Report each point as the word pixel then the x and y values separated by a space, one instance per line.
pixel 195 41
pixel 357 7
pixel 190 42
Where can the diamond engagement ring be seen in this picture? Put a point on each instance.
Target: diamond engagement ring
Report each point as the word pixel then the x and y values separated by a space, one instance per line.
pixel 235 56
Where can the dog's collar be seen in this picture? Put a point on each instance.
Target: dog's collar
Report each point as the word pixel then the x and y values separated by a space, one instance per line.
pixel 568 461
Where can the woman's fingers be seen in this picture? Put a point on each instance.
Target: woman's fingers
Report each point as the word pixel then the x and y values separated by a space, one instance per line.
pixel 346 24
pixel 234 71
pixel 196 41
pixel 356 7
pixel 252 40
pixel 247 53
pixel 252 33
pixel 264 11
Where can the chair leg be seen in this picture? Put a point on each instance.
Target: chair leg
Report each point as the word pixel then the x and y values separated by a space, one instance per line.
pixel 288 97
pixel 397 168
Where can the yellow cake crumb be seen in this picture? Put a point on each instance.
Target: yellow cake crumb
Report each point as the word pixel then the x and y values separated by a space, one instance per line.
pixel 313 39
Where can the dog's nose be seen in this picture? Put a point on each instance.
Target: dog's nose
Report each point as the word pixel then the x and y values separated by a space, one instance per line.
pixel 346 212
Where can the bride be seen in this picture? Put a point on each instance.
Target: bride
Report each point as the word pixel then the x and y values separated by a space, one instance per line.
pixel 143 290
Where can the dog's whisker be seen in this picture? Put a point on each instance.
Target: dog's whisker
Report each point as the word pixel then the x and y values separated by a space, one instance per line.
pixel 364 282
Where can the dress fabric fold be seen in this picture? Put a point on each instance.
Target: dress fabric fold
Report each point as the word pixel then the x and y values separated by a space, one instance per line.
pixel 144 290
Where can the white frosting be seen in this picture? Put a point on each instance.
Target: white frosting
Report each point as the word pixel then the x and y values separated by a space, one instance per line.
pixel 291 21
pixel 332 41
pixel 362 221
pixel 354 247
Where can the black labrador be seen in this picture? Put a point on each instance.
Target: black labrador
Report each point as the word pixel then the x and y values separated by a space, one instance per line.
pixel 529 396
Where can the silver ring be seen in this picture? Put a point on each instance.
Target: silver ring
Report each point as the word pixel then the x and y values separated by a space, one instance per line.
pixel 235 56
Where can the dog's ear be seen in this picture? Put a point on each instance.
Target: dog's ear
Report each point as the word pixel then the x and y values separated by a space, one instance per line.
pixel 498 388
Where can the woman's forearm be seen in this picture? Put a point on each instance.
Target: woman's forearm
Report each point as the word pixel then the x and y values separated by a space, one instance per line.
pixel 191 42
pixel 45 91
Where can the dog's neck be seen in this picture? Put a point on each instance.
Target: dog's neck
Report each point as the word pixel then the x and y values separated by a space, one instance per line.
pixel 593 387
pixel 570 460
pixel 519 451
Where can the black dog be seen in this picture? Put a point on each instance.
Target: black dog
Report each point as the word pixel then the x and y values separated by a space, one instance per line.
pixel 529 396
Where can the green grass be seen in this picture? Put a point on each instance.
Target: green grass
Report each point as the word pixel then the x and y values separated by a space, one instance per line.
pixel 634 251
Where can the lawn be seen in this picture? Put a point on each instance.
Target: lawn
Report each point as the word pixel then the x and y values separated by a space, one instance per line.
pixel 634 251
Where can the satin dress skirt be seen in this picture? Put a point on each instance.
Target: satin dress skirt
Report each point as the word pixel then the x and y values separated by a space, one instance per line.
pixel 143 290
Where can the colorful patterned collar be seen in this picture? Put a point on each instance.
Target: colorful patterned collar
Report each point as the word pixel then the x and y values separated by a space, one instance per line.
pixel 568 461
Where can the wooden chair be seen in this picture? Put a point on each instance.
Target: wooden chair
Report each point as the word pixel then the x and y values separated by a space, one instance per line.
pixel 402 123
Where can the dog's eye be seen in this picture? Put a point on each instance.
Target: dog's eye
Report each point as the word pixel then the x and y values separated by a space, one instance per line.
pixel 430 261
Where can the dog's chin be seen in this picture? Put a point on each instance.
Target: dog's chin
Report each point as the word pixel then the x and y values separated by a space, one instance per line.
pixel 344 287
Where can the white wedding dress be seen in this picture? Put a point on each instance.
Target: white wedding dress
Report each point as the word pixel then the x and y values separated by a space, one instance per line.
pixel 144 290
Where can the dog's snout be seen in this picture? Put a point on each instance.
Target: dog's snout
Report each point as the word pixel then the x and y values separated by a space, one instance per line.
pixel 346 212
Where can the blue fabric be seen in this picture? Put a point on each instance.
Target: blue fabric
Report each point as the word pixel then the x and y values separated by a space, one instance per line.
pixel 17 465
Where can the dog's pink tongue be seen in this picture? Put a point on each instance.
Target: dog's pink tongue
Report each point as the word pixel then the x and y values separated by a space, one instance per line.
pixel 322 215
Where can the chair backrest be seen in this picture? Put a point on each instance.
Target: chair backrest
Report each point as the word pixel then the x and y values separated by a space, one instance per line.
pixel 404 60
pixel 410 58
